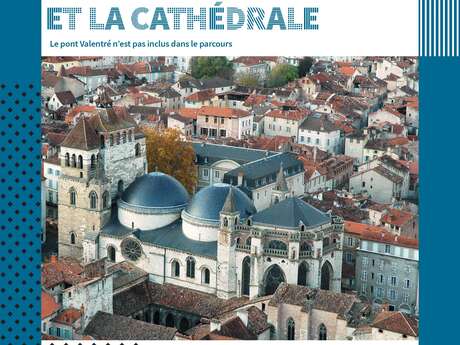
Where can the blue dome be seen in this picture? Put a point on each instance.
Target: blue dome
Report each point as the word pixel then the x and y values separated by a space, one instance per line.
pixel 155 190
pixel 208 202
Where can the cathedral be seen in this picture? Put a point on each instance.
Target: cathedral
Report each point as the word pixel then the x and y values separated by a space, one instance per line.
pixel 215 241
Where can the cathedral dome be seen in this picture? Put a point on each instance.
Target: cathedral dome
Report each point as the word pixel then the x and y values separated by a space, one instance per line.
pixel 155 190
pixel 208 202
pixel 152 201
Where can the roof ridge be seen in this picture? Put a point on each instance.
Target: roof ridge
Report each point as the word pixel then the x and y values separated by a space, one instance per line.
pixel 84 133
pixel 407 322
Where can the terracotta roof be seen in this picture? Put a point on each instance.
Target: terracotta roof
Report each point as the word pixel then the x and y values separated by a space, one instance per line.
pixel 49 305
pixel 180 298
pixel 188 112
pixel 83 136
pixel 49 79
pixel 398 322
pixel 112 119
pixel 200 96
pixel 55 139
pixel 378 234
pixel 382 171
pixel 257 320
pixel 67 316
pixel 66 97
pixel 397 164
pixel 392 110
pixel 86 71
pixel 347 70
pixel 235 329
pixel 104 326
pixel 63 271
pixel 397 217
pixel 78 110
pixel 333 302
pixel 222 112
pixel 254 100
pixel 297 115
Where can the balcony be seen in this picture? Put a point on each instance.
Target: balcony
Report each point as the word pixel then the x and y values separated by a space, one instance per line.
pixel 276 252
pixel 243 248
pixel 305 254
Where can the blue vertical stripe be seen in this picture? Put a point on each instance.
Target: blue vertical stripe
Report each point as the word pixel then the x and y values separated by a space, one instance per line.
pixel 438 27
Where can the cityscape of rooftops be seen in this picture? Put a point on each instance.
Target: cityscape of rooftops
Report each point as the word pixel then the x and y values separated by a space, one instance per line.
pixel 230 198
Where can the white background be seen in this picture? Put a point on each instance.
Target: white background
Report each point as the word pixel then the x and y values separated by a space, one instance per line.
pixel 346 28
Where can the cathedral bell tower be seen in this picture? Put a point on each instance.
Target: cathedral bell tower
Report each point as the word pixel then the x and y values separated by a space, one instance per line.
pixel 84 193
pixel 226 245
pixel 281 190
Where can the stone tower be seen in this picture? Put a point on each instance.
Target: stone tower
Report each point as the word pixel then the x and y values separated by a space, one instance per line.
pixel 226 245
pixel 99 157
pixel 281 190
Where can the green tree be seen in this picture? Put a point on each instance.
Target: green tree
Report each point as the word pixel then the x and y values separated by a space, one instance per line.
pixel 281 75
pixel 211 66
pixel 304 65
pixel 168 153
pixel 248 79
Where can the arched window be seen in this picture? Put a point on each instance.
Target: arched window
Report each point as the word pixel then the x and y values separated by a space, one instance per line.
pixel 111 139
pixel 277 245
pixel 170 320
pixel 67 159
pixel 305 247
pixel 123 137
pixel 120 186
pixel 73 238
pixel 248 241
pixel 80 162
pixel 118 138
pixel 225 221
pixel 156 317
pixel 73 197
pixel 277 200
pixel 322 332
pixel 249 222
pixel 290 329
pixel 175 268
pixel 137 150
pixel 111 253
pixel 105 199
pixel 92 200
pixel 302 273
pixel 130 135
pixel 74 161
pixel 93 162
pixel 205 276
pixel 325 241
pixel 190 267
pixel 245 275
pixel 102 141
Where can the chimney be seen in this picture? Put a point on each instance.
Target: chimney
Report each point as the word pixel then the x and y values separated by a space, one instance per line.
pixel 240 178
pixel 214 325
pixel 243 315
pixel 53 259
pixel 315 149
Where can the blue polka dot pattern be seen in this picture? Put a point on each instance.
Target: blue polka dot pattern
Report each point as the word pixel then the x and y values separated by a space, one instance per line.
pixel 20 229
